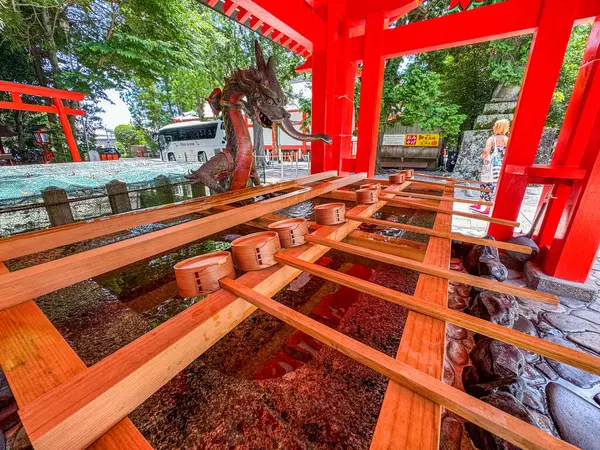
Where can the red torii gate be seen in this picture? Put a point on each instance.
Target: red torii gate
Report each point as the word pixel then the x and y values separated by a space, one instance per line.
pixel 336 35
pixel 57 96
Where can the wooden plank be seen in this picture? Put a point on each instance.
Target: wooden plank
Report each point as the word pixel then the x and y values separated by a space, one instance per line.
pixel 35 359
pixel 449 183
pixel 32 282
pixel 407 420
pixel 422 206
pixel 456 180
pixel 496 421
pixel 542 347
pixel 78 411
pixel 461 277
pixel 435 197
pixel 443 234
pixel 37 241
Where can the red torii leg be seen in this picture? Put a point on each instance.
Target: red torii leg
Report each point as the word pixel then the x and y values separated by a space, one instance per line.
pixel 64 121
pixel 547 53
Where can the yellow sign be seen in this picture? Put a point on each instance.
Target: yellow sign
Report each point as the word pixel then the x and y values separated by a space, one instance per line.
pixel 422 140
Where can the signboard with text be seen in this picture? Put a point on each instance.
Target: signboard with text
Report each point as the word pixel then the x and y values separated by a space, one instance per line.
pixel 394 139
pixel 422 140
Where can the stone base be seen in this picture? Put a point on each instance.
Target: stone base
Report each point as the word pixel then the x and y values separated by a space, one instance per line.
pixel 537 279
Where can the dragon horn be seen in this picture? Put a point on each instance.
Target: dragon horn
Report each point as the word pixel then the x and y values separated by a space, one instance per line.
pixel 260 57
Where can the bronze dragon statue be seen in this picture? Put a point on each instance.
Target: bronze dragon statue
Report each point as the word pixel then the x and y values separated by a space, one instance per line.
pixel 257 91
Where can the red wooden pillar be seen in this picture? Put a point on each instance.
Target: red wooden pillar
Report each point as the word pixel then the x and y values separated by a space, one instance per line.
pixel 66 126
pixel 575 217
pixel 574 134
pixel 370 95
pixel 547 53
pixel 317 148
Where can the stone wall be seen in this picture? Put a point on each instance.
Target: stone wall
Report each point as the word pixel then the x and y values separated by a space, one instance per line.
pixel 502 106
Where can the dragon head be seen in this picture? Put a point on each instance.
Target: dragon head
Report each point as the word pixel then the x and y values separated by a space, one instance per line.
pixel 267 100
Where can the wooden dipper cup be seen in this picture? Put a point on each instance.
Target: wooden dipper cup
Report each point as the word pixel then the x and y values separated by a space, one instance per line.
pixel 291 231
pixel 367 196
pixel 397 178
pixel 256 251
pixel 330 213
pixel 408 173
pixel 200 275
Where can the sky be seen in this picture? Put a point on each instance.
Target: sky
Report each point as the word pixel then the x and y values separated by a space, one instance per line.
pixel 114 114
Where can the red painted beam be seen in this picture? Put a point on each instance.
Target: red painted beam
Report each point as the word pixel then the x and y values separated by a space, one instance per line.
pixel 7 86
pixel 550 173
pixel 276 35
pixel 266 30
pixel 486 23
pixel 212 3
pixel 38 108
pixel 242 15
pixel 541 75
pixel 370 95
pixel 66 126
pixel 294 18
pixel 285 41
pixel 229 7
pixel 359 9
pixel 294 46
pixel 306 67
pixel 255 23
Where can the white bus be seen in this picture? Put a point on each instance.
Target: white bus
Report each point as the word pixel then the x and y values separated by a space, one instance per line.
pixel 192 141
pixel 195 141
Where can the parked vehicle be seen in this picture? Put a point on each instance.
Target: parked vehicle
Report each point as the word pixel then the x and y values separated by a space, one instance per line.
pixel 191 141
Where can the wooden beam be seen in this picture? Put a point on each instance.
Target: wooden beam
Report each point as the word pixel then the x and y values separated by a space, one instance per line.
pixel 80 410
pixel 542 347
pixel 456 180
pixel 496 421
pixel 424 207
pixel 443 185
pixel 444 234
pixel 35 359
pixel 435 197
pixel 18 287
pixel 408 420
pixel 441 272
pixel 37 241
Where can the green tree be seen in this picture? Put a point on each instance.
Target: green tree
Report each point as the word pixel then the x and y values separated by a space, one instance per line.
pixel 126 136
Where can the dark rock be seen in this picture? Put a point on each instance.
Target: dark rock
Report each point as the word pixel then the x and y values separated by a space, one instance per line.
pixel 597 398
pixel 451 434
pixel 449 374
pixel 532 376
pixel 515 386
pixel 2 441
pixel 6 397
pixel 484 260
pixel 576 376
pixel 570 324
pixel 496 307
pixel 509 404
pixel 525 326
pixel 511 263
pixel 545 423
pixel 20 441
pixel 591 341
pixel 494 359
pixel 9 417
pixel 576 419
pixel 514 275
pixel 534 399
pixel 547 371
pixel 470 376
pixel 457 302
pixel 475 291
pixel 457 353
pixel 454 332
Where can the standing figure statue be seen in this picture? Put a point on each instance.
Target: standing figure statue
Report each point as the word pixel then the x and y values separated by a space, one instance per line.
pixel 255 90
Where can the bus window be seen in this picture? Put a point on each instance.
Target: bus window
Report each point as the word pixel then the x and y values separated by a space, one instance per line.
pixel 202 157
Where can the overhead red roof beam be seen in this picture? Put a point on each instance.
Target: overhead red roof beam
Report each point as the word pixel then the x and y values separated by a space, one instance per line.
pixel 359 9
pixel 486 23
pixel 294 18
pixel 266 30
pixel 242 15
pixel 229 7
pixel 255 23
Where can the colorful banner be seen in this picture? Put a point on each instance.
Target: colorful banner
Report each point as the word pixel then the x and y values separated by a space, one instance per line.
pixel 422 140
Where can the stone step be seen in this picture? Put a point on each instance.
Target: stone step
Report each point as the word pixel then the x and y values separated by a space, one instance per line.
pixel 501 107
pixel 486 121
